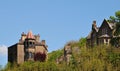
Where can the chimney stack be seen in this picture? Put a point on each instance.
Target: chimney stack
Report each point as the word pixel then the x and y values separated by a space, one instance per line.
pixel 23 36
pixel 94 24
pixel 37 37
pixel 43 42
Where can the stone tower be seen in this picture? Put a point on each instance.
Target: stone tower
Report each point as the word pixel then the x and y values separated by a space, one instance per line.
pixel 27 48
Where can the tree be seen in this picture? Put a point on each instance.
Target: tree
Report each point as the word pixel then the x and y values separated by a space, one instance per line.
pixel 40 57
pixel 116 32
pixel 117 21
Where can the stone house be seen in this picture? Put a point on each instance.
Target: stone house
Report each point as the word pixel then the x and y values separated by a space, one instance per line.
pixel 26 49
pixel 100 35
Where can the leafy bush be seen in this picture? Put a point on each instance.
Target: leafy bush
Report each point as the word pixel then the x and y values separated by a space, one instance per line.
pixel 40 57
pixel 54 55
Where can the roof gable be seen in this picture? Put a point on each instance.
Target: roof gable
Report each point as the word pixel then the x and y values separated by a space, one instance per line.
pixel 105 23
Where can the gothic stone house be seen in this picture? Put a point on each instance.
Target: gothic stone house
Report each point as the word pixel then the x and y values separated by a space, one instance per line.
pixel 26 49
pixel 100 35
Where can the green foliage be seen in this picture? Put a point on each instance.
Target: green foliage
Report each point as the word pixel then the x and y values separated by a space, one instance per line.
pixel 116 32
pixel 80 43
pixel 117 14
pixel 33 66
pixel 54 55
pixel 115 42
pixel 98 58
pixel 111 19
pixel 116 20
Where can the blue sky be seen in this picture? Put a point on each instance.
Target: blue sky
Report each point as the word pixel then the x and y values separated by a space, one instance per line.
pixel 57 21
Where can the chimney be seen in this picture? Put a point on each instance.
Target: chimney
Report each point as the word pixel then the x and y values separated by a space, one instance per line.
pixel 37 38
pixel 23 36
pixel 94 25
pixel 43 42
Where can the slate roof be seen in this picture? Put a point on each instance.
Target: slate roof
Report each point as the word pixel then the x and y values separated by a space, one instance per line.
pixel 111 25
pixel 89 36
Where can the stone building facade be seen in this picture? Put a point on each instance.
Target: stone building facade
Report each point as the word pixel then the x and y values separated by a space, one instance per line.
pixel 66 56
pixel 67 53
pixel 26 49
pixel 100 35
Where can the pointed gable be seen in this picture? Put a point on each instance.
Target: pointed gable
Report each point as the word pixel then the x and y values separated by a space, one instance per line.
pixel 105 29
pixel 104 24
pixel 110 25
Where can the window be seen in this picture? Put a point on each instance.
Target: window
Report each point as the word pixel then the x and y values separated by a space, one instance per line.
pixel 26 55
pixel 104 31
pixel 31 44
pixel 106 40
pixel 94 34
pixel 30 55
pixel 26 44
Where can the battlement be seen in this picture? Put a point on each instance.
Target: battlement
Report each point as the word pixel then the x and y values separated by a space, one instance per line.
pixel 24 36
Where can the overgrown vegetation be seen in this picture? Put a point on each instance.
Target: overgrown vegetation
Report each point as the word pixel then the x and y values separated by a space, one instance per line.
pixel 99 58
pixel 54 55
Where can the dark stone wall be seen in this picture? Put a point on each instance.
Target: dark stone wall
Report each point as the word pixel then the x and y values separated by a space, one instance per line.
pixel 12 53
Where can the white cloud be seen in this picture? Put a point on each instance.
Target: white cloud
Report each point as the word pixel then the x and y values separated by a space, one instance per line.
pixel 3 50
pixel 3 55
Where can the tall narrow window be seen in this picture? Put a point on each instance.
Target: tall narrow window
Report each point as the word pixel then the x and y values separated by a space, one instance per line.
pixel 30 44
pixel 30 55
pixel 105 31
